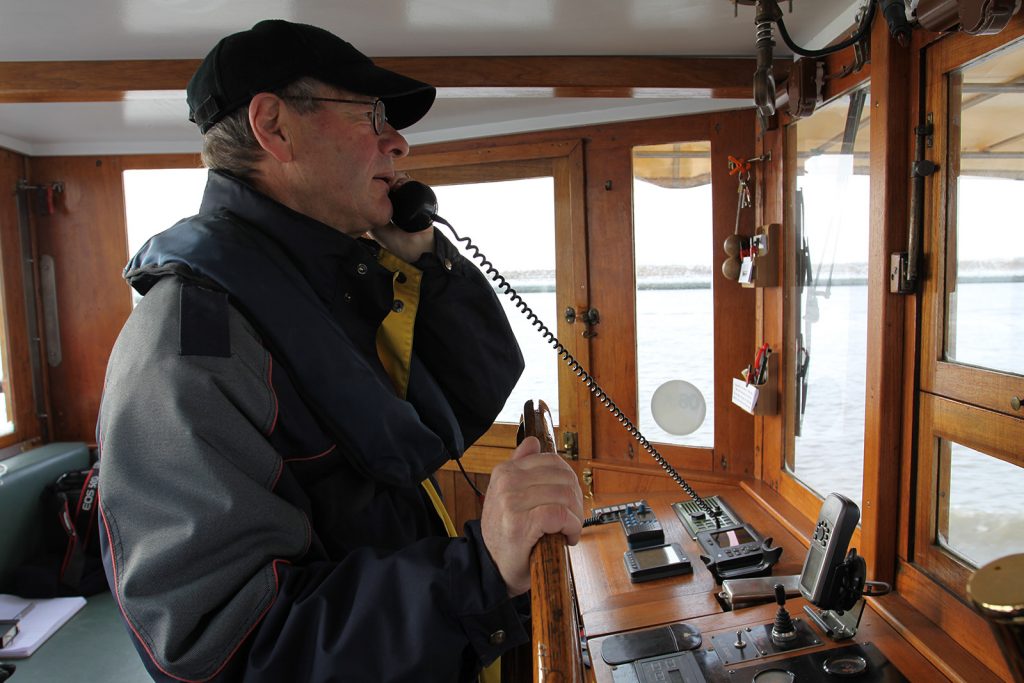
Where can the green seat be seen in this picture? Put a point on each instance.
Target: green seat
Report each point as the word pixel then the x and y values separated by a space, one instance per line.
pixel 94 645
pixel 22 479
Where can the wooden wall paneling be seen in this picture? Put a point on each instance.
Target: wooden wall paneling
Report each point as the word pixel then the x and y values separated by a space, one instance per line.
pixel 986 388
pixel 908 447
pixel 445 479
pixel 731 134
pixel 86 238
pixel 460 501
pixel 926 478
pixel 573 291
pixel 999 436
pixel 911 332
pixel 17 370
pixel 933 238
pixel 775 182
pixel 636 479
pixel 890 167
pixel 840 74
pixel 609 175
pixel 465 502
pixel 562 76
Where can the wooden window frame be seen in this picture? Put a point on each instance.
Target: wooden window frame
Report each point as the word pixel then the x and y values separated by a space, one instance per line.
pixel 968 405
pixel 944 420
pixel 609 163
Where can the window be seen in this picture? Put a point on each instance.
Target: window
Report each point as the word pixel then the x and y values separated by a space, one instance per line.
pixel 6 407
pixel 672 233
pixel 522 207
pixel 520 245
pixel 156 199
pixel 971 426
pixel 985 254
pixel 830 326
pixel 980 517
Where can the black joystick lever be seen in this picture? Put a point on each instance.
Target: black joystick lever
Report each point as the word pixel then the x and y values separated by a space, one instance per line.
pixel 783 631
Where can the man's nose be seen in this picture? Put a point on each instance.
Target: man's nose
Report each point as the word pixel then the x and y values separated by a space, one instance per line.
pixel 393 143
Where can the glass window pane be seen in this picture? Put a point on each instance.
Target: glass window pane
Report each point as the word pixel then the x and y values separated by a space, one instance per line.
pixel 521 245
pixel 831 295
pixel 674 315
pixel 6 409
pixel 980 516
pixel 985 294
pixel 156 199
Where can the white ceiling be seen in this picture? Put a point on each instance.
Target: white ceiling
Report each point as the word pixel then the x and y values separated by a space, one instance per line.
pixel 44 30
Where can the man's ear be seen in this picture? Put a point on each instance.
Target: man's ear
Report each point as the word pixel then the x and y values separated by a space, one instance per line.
pixel 268 118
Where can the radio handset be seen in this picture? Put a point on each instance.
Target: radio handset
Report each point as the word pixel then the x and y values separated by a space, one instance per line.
pixel 414 206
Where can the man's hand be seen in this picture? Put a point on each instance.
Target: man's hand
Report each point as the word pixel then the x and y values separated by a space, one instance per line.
pixel 408 246
pixel 529 495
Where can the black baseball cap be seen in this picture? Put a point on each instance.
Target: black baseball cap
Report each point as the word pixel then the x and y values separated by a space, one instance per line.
pixel 273 53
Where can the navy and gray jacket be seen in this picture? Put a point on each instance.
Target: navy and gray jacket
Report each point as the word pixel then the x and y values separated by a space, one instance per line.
pixel 262 514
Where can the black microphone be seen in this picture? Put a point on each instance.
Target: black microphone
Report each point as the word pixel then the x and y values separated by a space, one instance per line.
pixel 414 206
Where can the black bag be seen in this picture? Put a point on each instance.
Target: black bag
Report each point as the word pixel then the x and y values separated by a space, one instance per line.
pixel 70 563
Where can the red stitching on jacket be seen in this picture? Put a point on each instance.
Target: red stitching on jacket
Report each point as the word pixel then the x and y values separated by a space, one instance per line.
pixel 303 458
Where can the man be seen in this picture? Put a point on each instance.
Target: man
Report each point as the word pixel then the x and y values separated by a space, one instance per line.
pixel 277 402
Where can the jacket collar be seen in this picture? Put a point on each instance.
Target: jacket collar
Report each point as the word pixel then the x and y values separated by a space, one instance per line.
pixel 319 251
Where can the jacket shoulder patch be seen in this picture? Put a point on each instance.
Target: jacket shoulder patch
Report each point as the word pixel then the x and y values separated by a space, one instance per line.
pixel 204 322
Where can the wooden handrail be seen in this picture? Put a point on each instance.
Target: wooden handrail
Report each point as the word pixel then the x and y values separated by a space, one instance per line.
pixel 556 634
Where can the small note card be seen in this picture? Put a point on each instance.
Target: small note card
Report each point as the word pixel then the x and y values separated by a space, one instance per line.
pixel 745 395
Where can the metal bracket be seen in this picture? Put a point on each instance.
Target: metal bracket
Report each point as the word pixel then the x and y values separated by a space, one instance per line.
pixel 898 281
pixel 756 642
pixel 588 316
pixel 570 446
pixel 837 625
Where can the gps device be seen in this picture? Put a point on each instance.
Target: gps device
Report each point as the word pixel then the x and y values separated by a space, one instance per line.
pixel 737 551
pixel 647 564
pixel 819 580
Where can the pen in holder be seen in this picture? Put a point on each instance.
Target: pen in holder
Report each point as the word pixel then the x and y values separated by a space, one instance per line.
pixel 756 391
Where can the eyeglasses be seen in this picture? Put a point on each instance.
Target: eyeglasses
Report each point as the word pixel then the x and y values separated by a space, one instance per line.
pixel 378 117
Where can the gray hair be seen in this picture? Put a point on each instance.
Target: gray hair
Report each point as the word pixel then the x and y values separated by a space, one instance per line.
pixel 230 144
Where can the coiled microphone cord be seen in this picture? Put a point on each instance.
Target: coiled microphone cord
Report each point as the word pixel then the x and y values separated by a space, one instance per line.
pixel 577 368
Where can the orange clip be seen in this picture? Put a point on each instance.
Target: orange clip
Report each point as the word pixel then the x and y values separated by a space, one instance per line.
pixel 738 166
